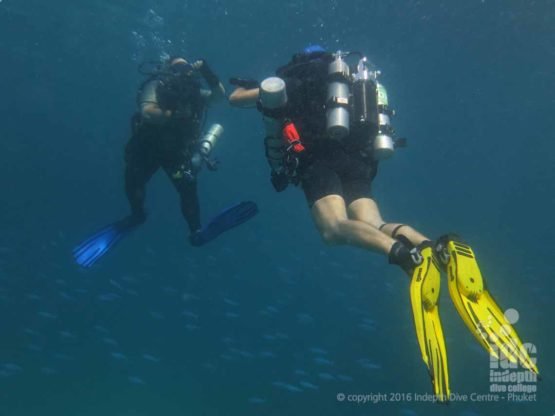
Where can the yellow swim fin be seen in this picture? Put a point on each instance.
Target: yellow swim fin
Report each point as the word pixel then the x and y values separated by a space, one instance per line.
pixel 477 308
pixel 424 295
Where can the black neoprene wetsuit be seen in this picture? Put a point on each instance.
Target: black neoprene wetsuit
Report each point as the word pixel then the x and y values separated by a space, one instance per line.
pixel 170 146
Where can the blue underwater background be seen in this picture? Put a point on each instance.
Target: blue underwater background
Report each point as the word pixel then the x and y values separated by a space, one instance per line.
pixel 266 320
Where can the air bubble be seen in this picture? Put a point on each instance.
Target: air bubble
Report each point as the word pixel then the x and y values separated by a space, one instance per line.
pixel 512 315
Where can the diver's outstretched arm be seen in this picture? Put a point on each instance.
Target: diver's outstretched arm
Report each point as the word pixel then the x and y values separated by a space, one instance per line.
pixel 244 98
pixel 217 90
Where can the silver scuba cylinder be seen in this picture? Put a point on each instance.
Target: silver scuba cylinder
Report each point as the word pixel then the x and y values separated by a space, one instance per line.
pixel 371 110
pixel 273 96
pixel 337 106
pixel 384 145
pixel 365 106
pixel 210 138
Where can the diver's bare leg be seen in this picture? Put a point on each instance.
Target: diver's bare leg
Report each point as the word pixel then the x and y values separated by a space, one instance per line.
pixel 366 209
pixel 332 220
pixel 395 230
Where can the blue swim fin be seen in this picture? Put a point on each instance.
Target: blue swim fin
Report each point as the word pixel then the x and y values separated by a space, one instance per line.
pixel 227 219
pixel 87 253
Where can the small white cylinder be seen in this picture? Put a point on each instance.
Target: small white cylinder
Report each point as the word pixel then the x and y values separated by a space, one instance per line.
pixel 273 93
pixel 383 147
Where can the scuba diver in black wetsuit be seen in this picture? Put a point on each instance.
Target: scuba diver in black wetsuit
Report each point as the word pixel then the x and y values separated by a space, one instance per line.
pixel 166 133
pixel 327 129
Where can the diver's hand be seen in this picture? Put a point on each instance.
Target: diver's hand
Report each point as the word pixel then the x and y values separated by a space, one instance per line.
pixel 198 159
pixel 212 164
pixel 211 78
pixel 198 64
pixel 279 180
pixel 179 114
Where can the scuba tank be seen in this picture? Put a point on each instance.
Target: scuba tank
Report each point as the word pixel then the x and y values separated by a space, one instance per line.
pixel 206 145
pixel 371 112
pixel 210 138
pixel 337 102
pixel 365 105
pixel 384 145
pixel 273 98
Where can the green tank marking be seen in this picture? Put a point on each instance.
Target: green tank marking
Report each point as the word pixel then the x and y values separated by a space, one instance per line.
pixel 382 95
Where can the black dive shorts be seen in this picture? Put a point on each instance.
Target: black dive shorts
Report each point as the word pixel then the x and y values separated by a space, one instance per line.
pixel 337 172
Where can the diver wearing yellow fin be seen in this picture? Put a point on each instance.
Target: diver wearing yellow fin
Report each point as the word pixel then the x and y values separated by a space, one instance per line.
pixel 327 128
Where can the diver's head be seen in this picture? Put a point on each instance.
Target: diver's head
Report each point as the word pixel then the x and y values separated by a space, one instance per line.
pixel 179 66
pixel 309 53
pixel 313 48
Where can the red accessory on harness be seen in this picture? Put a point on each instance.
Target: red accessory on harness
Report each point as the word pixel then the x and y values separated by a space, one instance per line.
pixel 291 135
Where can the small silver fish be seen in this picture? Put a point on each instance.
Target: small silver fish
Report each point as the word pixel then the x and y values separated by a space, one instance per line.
pixel 257 400
pixel 151 358
pixel 118 356
pixel 109 341
pixel 231 302
pixel 308 385
pixel 323 361
pixel 47 315
pixel 286 386
pixel 317 350
pixel 12 367
pixel 136 380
